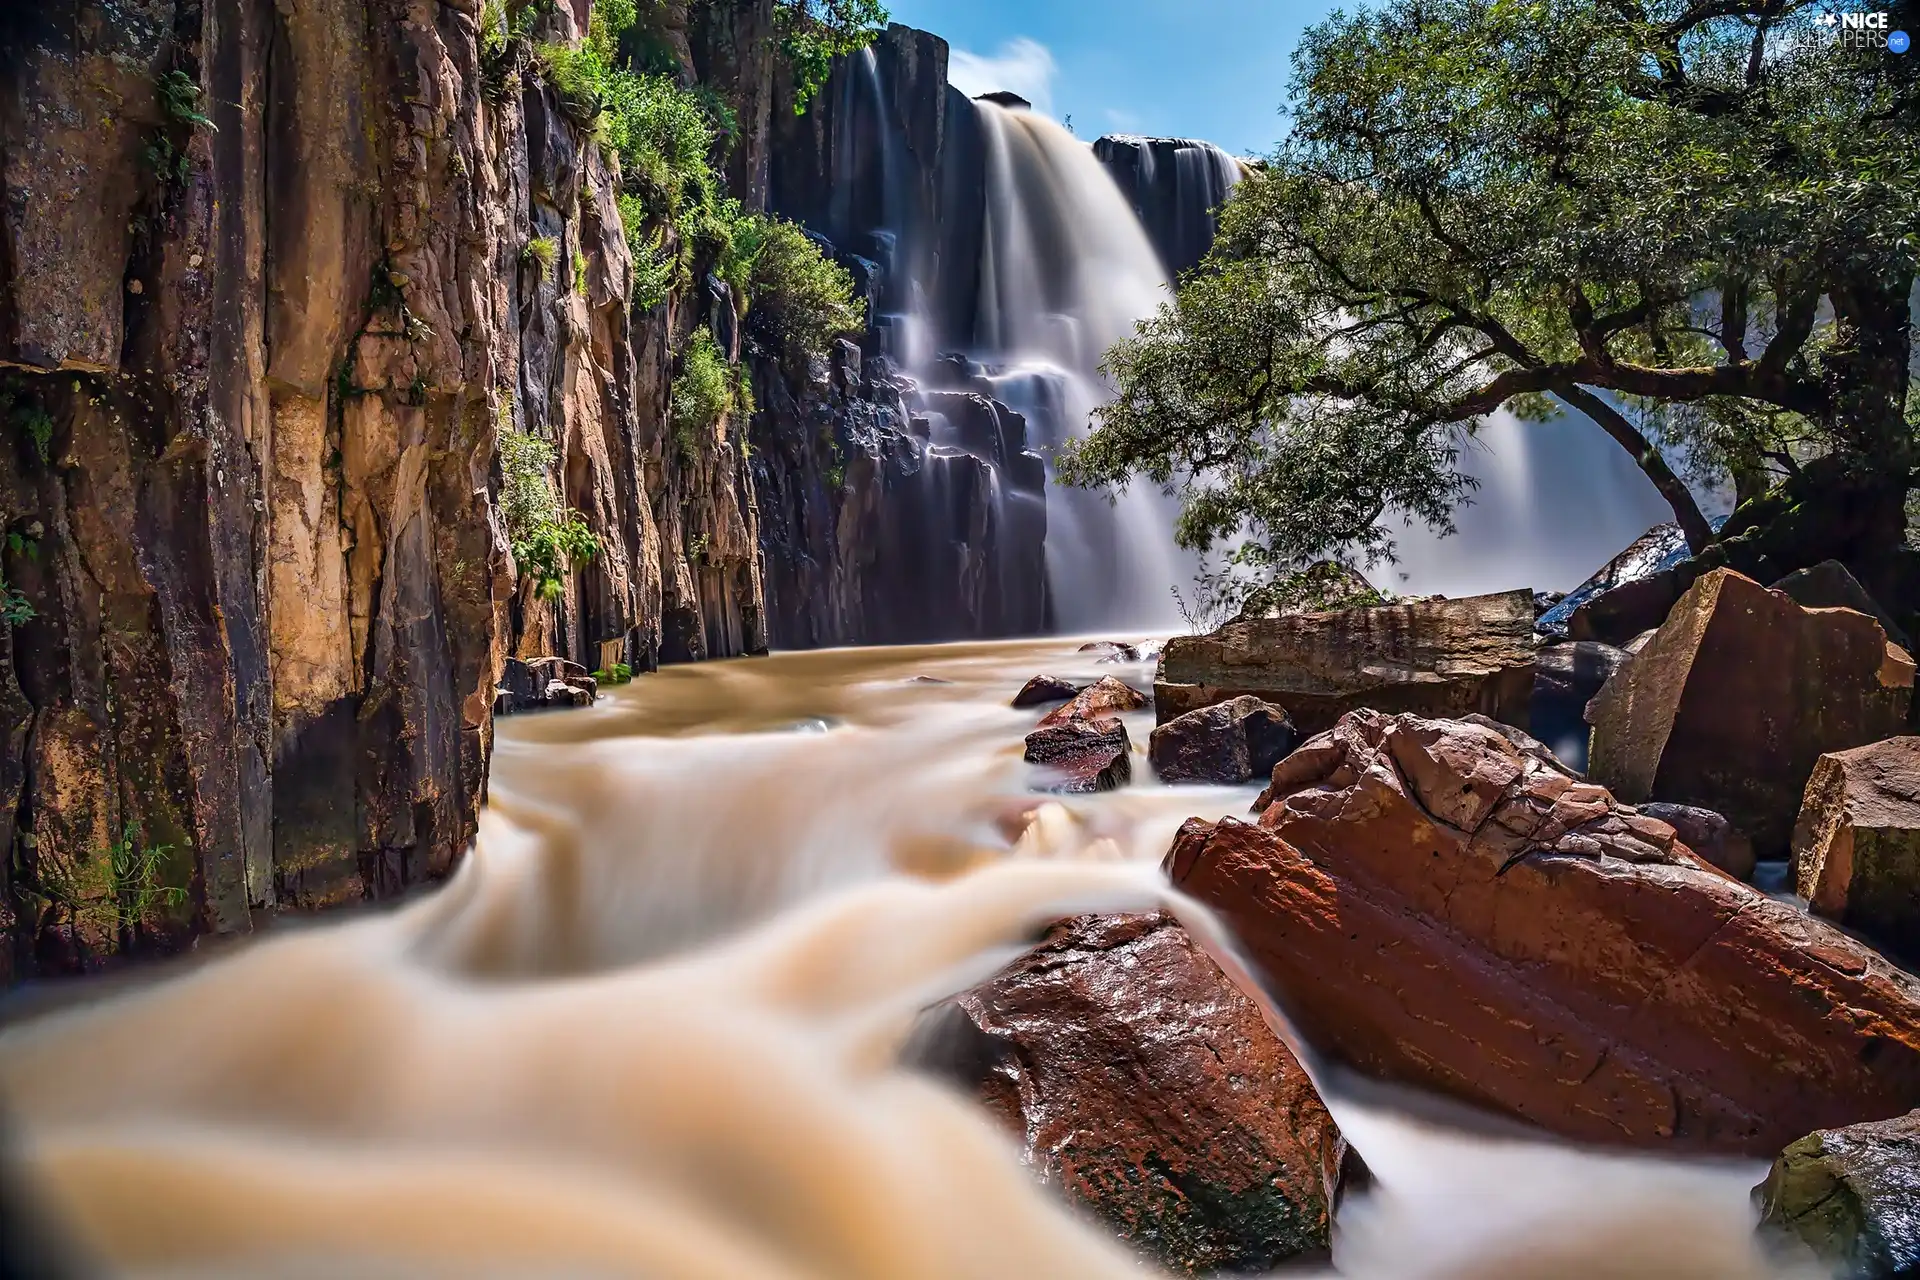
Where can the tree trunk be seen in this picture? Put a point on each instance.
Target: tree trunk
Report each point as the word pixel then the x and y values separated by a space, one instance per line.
pixel 1867 376
pixel 1686 512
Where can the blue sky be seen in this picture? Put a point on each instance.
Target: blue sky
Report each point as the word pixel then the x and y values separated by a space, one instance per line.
pixel 1212 69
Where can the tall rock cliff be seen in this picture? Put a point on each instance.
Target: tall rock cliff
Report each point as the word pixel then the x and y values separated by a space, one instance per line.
pixel 276 281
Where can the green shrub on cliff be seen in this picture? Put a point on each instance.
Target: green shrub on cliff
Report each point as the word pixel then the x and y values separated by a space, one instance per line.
pixel 703 393
pixel 813 33
pixel 798 298
pixel 547 541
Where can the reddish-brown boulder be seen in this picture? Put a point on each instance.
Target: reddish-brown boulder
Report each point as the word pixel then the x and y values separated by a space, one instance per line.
pixel 1434 657
pixel 1103 699
pixel 1082 755
pixel 1856 847
pixel 1737 695
pixel 1041 690
pixel 1438 907
pixel 1228 742
pixel 1145 1085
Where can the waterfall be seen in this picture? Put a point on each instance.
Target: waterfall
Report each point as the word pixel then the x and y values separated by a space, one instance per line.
pixel 1066 270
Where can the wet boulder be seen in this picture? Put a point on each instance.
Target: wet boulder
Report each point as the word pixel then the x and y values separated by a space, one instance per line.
pixel 1626 595
pixel 1082 755
pixel 1041 690
pixel 1565 678
pixel 539 683
pixel 1737 695
pixel 1856 846
pixel 1433 657
pixel 1853 1196
pixel 1708 834
pixel 1228 742
pixel 1198 1138
pixel 1103 699
pixel 1112 650
pixel 1437 907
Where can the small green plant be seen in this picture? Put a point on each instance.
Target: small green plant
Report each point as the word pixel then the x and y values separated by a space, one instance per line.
pixel 553 550
pixel 697 547
pixel 618 673
pixel 15 608
pixel 703 393
pixel 579 272
pixel 123 884
pixel 180 112
pixel 31 420
pixel 547 542
pixel 541 252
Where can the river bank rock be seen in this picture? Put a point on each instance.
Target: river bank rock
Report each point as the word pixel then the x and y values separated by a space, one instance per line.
pixel 1626 595
pixel 1197 1136
pixel 1737 695
pixel 1708 834
pixel 1112 650
pixel 1041 690
pixel 1434 657
pixel 1228 742
pixel 1853 1196
pixel 1104 699
pixel 1435 906
pixel 1856 846
pixel 540 683
pixel 1083 755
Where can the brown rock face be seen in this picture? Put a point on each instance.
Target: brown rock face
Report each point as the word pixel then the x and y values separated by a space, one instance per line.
pixel 1145 1086
pixel 1083 755
pixel 1229 742
pixel 1433 657
pixel 1102 700
pixel 1737 695
pixel 1856 847
pixel 1437 907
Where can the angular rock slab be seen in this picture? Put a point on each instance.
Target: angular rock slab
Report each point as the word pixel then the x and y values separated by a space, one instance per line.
pixel 1228 742
pixel 1103 699
pixel 1853 1195
pixel 1147 1087
pixel 1856 846
pixel 1082 755
pixel 1737 695
pixel 1708 834
pixel 1436 907
pixel 1433 657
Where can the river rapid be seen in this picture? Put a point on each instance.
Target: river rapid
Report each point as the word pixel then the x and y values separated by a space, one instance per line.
pixel 650 1027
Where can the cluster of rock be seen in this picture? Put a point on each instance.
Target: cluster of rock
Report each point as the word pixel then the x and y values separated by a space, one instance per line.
pixel 1436 899
pixel 540 683
pixel 1082 744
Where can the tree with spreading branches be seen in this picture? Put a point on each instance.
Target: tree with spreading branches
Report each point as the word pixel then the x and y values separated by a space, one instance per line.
pixel 1695 222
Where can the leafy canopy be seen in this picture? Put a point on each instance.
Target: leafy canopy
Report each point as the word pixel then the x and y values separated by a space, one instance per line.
pixel 1634 209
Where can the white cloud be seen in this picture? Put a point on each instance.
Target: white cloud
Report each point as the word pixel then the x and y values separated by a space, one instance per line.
pixel 1021 66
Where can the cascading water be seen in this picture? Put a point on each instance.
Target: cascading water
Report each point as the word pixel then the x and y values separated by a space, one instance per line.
pixel 1065 272
pixel 1176 186
pixel 650 1029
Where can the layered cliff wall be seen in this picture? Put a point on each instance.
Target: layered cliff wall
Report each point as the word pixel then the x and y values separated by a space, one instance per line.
pixel 268 301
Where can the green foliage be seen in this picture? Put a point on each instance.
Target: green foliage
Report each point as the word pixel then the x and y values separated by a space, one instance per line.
pixel 122 884
pixel 30 419
pixel 654 270
pixel 541 252
pixel 547 542
pixel 620 673
pixel 703 393
pixel 1564 203
pixel 180 97
pixel 812 33
pixel 180 114
pixel 579 272
pixel 799 298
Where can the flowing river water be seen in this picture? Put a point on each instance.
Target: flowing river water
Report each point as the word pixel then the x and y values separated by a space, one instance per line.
pixel 650 1027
